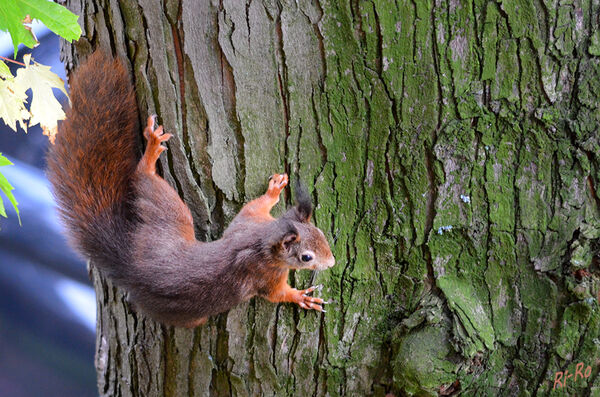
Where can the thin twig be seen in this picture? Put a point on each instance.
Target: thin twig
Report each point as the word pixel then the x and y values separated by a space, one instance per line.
pixel 12 60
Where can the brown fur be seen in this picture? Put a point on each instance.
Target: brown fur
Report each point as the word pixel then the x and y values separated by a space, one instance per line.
pixel 93 160
pixel 138 231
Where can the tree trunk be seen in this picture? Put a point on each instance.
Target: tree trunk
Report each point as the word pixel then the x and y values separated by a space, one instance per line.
pixel 453 154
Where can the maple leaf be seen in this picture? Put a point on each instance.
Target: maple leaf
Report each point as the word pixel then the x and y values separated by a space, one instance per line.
pixel 45 108
pixel 12 104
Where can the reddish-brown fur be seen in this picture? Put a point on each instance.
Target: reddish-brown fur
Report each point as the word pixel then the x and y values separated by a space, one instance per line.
pixel 137 230
pixel 90 181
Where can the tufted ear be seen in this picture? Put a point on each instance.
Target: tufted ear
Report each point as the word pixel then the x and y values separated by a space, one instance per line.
pixel 285 235
pixel 288 239
pixel 303 203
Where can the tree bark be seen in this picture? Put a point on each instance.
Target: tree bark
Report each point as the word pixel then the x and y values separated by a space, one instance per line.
pixel 452 151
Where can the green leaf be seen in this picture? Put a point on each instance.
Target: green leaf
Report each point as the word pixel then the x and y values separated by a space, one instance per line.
pixel 2 209
pixel 11 20
pixel 56 17
pixel 4 161
pixel 7 188
pixel 5 71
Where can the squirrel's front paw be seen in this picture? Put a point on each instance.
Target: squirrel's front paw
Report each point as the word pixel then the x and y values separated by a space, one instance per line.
pixel 276 184
pixel 308 302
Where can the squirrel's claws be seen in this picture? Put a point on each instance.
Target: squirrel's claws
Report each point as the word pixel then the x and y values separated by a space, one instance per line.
pixel 312 299
pixel 165 137
pixel 150 122
pixel 309 302
pixel 318 287
pixel 276 184
pixel 308 291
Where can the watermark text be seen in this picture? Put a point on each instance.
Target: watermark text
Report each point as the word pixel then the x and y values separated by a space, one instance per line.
pixel 561 378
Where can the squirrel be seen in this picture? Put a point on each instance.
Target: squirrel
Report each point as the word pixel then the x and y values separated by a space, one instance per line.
pixel 135 228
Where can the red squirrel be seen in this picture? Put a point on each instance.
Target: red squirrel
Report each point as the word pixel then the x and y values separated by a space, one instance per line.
pixel 134 227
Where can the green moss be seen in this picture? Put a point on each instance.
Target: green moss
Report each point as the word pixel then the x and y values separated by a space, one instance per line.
pixel 500 279
pixel 421 364
pixel 581 256
pixel 489 42
pixel 594 48
pixel 573 318
pixel 463 300
pixel 500 142
pixel 506 85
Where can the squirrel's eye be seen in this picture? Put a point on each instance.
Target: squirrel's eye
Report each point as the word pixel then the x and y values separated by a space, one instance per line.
pixel 306 258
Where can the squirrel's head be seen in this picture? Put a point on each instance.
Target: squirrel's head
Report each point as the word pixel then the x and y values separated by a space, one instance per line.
pixel 301 245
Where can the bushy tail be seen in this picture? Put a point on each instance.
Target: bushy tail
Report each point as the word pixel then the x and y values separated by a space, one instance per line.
pixel 92 163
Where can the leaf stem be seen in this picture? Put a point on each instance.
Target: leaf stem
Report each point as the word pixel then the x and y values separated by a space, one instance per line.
pixel 12 60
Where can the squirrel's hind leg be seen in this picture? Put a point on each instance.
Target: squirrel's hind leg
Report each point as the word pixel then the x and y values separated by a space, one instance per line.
pixel 154 148
pixel 159 206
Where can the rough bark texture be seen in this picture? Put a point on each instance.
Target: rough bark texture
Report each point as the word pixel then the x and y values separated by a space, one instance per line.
pixel 452 150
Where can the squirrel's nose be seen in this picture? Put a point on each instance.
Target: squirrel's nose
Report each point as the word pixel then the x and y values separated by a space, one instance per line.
pixel 330 262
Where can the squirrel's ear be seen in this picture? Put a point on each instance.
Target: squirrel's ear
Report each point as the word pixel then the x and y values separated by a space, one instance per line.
pixel 303 203
pixel 288 239
pixel 285 237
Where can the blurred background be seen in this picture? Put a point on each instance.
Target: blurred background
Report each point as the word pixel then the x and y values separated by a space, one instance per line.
pixel 47 303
